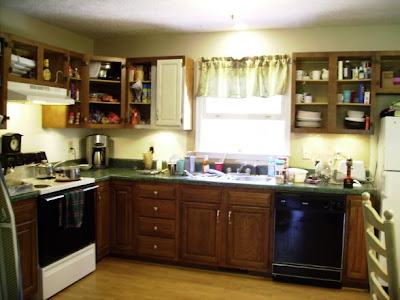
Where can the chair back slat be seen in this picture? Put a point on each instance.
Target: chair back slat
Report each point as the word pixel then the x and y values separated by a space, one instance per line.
pixel 380 248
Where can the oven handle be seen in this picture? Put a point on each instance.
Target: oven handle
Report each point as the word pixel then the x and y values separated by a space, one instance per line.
pixel 91 188
pixel 54 198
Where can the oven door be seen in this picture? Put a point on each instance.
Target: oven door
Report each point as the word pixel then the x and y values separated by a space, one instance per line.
pixel 55 241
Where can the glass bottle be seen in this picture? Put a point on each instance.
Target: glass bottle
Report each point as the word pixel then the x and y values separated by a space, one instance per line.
pixel 46 70
pixel 347 70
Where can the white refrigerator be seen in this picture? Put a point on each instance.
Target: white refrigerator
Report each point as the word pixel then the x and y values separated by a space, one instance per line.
pixel 388 172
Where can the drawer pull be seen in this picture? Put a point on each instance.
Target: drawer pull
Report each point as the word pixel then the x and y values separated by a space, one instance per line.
pixel 155 247
pixel 155 208
pixel 218 216
pixel 155 228
pixel 229 217
pixel 155 193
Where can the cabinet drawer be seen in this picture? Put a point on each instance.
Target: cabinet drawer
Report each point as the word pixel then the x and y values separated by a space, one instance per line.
pixel 156 227
pixel 156 191
pixel 201 194
pixel 156 208
pixel 156 246
pixel 262 199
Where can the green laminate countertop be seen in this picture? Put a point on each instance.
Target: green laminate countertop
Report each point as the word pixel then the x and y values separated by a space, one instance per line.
pixel 132 175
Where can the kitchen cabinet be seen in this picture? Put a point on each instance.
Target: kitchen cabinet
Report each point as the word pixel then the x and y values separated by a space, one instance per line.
pixel 201 222
pixel 388 66
pixel 121 217
pixel 355 259
pixel 156 216
pixel 248 230
pixel 325 91
pixel 103 221
pixel 25 219
pixel 167 98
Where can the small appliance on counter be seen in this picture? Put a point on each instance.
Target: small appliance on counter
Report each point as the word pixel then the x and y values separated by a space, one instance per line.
pixel 357 169
pixel 97 150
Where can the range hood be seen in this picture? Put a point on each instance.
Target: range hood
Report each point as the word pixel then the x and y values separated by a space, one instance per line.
pixel 37 94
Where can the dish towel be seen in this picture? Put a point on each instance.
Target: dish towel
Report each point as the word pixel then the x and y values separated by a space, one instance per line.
pixel 71 209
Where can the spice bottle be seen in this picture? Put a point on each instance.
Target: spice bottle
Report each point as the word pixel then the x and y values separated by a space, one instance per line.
pixel 206 164
pixel 46 70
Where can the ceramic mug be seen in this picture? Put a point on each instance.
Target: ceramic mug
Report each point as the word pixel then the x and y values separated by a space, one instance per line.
pixel 308 99
pixel 346 96
pixel 316 75
pixel 300 74
pixel 299 98
pixel 339 98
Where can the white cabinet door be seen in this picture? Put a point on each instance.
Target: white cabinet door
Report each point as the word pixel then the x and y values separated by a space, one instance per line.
pixel 169 92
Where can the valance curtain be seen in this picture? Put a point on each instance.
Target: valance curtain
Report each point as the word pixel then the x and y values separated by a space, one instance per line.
pixel 258 76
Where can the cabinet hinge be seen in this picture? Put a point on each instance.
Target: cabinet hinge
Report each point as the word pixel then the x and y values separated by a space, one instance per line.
pixel 85 63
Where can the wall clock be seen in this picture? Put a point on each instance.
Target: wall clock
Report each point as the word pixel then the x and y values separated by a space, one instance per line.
pixel 11 143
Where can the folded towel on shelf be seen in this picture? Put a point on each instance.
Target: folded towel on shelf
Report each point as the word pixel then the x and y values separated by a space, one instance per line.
pixel 71 209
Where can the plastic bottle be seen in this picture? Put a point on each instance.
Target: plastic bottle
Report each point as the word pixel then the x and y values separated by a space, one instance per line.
pixel 206 164
pixel 271 167
pixel 46 70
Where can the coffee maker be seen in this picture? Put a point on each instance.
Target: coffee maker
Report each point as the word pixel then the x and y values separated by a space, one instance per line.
pixel 97 150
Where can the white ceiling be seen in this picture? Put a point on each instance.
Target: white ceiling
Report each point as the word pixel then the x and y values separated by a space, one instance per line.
pixel 99 19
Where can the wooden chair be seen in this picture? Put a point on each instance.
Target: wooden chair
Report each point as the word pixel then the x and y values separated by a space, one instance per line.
pixel 387 248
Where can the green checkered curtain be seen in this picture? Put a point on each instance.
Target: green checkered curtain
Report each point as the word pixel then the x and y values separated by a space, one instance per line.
pixel 258 76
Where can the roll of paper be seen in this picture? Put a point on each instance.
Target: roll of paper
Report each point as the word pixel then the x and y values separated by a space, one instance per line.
pixel 340 69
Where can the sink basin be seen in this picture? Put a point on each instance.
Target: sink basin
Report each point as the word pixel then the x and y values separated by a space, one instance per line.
pixel 250 178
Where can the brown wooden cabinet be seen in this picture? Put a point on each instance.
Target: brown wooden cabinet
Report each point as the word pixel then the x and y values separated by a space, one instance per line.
pixel 121 217
pixel 388 66
pixel 248 229
pixel 103 221
pixel 355 259
pixel 25 219
pixel 325 91
pixel 156 217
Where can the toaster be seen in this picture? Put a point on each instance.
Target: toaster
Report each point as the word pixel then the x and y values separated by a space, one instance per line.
pixel 357 169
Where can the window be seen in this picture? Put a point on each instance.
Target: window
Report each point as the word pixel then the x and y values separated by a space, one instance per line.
pixel 255 127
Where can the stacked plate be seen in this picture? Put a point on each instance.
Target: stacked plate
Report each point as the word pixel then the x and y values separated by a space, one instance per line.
pixel 308 119
pixel 21 65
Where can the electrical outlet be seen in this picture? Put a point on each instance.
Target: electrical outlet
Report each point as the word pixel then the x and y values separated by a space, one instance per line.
pixel 70 145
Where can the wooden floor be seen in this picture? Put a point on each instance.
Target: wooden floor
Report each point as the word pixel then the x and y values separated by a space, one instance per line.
pixel 124 279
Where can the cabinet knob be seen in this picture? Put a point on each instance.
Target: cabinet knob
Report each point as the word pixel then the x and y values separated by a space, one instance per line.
pixel 155 247
pixel 155 193
pixel 155 208
pixel 155 228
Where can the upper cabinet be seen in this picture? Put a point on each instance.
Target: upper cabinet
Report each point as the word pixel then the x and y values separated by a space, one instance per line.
pixel 388 67
pixel 327 85
pixel 160 92
pixel 106 92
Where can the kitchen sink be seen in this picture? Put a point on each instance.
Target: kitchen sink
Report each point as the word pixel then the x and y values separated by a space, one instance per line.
pixel 249 178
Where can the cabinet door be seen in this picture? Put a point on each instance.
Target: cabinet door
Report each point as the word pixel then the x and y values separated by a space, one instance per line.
pixel 122 211
pixel 355 259
pixel 103 222
pixel 200 233
pixel 25 218
pixel 248 237
pixel 169 92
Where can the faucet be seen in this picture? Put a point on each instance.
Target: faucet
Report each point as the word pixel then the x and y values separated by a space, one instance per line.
pixel 239 170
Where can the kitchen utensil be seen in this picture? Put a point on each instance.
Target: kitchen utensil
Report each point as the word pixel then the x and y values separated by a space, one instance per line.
pixel 219 166
pixel 84 167
pixel 67 173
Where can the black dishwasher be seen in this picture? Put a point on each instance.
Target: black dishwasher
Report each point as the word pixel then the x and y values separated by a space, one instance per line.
pixel 308 238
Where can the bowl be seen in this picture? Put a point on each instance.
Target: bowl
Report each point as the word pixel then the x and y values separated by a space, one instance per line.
pixel 94 69
pixel 84 167
pixel 355 114
pixel 298 175
pixel 308 114
pixel 354 125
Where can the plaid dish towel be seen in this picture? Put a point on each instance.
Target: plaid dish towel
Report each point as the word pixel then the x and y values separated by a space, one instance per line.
pixel 71 209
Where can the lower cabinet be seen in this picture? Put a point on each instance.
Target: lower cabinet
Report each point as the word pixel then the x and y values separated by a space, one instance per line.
pixel 248 230
pixel 25 219
pixel 103 220
pixel 226 227
pixel 156 221
pixel 122 217
pixel 355 256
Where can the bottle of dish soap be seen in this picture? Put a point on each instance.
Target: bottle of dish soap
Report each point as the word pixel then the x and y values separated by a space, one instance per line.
pixel 206 164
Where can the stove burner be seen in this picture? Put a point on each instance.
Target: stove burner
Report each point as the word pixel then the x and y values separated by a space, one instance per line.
pixel 41 186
